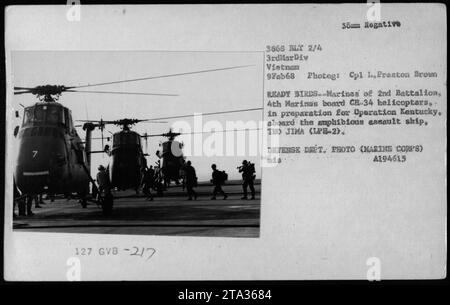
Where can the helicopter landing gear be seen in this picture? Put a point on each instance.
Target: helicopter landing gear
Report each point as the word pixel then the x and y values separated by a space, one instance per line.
pixel 82 199
pixel 83 202
pixel 106 201
pixel 22 203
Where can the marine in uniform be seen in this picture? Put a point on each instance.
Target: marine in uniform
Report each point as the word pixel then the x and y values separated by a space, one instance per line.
pixel 103 180
pixel 217 181
pixel 190 180
pixel 148 179
pixel 248 175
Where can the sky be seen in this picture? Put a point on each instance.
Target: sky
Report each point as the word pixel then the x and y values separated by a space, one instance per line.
pixel 196 93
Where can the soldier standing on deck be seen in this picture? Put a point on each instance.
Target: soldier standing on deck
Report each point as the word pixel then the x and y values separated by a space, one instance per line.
pixel 248 175
pixel 148 179
pixel 217 180
pixel 103 180
pixel 190 179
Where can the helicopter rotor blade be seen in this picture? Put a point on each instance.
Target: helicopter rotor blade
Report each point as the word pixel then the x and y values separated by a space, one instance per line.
pixel 199 132
pixel 107 138
pixel 102 122
pixel 203 114
pixel 153 122
pixel 152 135
pixel 21 92
pixel 48 90
pixel 162 76
pixel 58 89
pixel 96 121
pixel 22 88
pixel 225 130
pixel 120 92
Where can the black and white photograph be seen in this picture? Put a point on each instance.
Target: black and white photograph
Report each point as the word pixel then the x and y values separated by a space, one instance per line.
pixel 225 142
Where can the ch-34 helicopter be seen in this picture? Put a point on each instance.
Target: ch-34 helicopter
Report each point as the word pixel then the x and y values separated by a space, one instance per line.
pixel 52 158
pixel 127 156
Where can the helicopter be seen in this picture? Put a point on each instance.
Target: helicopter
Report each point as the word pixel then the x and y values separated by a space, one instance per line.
pixel 172 156
pixel 127 156
pixel 172 163
pixel 52 158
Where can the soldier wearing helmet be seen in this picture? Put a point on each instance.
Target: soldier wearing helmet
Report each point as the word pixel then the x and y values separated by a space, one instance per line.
pixel 190 180
pixel 218 178
pixel 103 180
pixel 248 175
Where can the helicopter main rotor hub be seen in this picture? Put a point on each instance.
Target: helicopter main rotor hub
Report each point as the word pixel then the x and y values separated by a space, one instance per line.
pixel 48 93
pixel 126 123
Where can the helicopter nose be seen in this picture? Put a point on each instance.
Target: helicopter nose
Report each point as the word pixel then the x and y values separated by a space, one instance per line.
pixel 40 157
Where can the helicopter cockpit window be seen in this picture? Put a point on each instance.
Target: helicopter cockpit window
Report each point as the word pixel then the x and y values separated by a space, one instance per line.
pixel 39 114
pixel 43 114
pixel 130 138
pixel 34 115
pixel 28 116
pixel 126 138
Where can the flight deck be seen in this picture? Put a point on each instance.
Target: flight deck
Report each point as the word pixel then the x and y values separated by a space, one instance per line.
pixel 171 214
